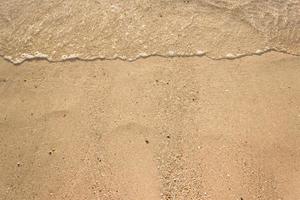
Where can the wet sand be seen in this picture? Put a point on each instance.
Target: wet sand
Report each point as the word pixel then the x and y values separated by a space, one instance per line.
pixel 128 30
pixel 156 128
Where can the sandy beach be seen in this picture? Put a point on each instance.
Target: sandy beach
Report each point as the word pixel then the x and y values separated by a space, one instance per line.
pixel 178 128
pixel 149 100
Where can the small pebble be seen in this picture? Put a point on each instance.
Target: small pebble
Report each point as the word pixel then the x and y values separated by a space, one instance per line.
pixel 51 152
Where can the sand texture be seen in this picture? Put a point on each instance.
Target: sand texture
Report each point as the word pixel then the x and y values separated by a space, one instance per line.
pixel 150 100
pixel 177 128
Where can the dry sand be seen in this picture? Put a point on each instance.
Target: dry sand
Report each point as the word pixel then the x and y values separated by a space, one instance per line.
pixel 156 128
pixel 150 100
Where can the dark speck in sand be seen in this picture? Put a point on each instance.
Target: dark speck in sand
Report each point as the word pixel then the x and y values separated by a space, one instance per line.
pixel 147 141
pixel 51 152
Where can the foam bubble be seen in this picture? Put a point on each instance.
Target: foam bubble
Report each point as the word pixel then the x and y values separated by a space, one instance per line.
pixel 230 55
pixel 40 55
pixel 143 54
pixel 199 52
pixel 258 51
pixel 171 53
pixel 27 56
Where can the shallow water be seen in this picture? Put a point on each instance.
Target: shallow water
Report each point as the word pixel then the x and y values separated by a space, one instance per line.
pixel 92 29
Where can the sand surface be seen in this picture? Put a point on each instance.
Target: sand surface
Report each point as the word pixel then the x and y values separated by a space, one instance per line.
pixel 157 128
pixel 150 100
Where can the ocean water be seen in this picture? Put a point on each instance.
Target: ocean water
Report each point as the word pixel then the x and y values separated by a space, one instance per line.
pixel 128 30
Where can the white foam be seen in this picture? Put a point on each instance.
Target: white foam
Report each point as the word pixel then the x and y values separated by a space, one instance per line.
pixel 18 60
pixel 258 51
pixel 37 54
pixel 200 53
pixel 71 56
pixel 143 55
pixel 27 56
pixel 230 55
pixel 8 57
pixel 40 55
pixel 171 53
